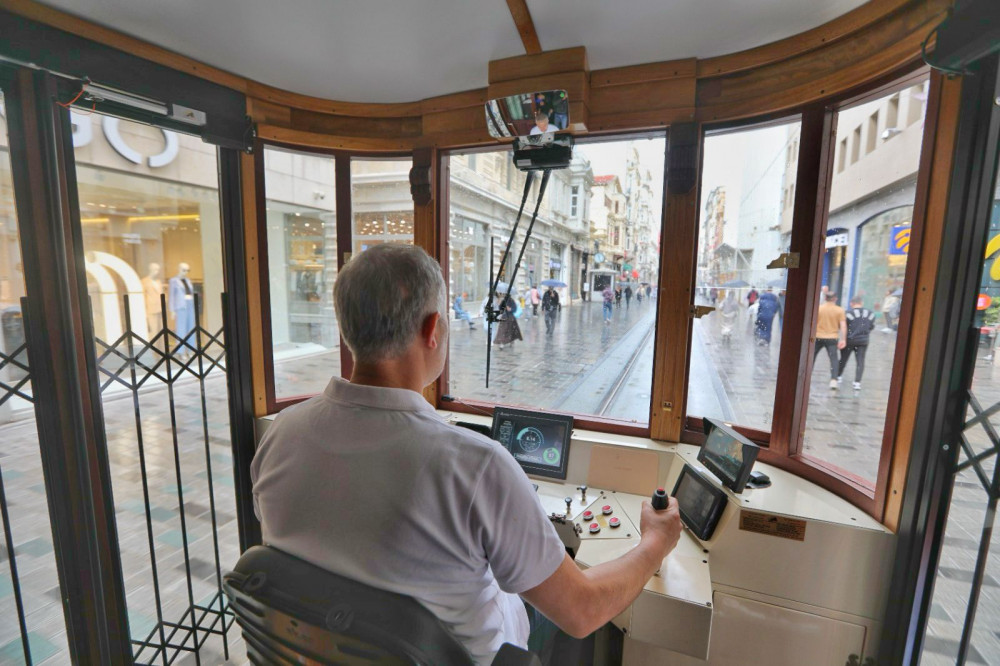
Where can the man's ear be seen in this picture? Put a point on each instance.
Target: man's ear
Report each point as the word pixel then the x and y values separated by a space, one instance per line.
pixel 428 330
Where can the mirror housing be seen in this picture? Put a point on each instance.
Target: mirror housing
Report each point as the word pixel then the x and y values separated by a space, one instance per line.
pixel 529 114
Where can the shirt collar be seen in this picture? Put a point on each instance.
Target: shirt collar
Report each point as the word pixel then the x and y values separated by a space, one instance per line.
pixel 395 399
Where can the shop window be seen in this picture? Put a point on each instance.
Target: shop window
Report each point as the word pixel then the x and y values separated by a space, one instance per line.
pixel 582 357
pixel 862 278
pixel 300 212
pixel 381 203
pixel 746 177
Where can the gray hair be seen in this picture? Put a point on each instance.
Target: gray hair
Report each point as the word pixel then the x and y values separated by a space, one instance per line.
pixel 383 295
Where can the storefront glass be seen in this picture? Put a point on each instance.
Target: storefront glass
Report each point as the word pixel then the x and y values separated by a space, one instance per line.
pixel 302 268
pixel 381 202
pixel 872 192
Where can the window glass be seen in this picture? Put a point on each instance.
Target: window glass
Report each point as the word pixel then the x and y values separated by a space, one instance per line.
pixel 381 202
pixel 598 227
pixel 152 237
pixel 302 267
pixel 20 462
pixel 748 193
pixel 862 282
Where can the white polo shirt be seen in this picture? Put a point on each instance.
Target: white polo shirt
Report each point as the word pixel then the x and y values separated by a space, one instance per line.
pixel 371 483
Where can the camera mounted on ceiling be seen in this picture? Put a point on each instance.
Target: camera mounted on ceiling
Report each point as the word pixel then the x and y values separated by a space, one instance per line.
pixel 538 124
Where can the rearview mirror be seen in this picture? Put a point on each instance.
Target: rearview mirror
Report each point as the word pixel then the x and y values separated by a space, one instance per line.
pixel 531 114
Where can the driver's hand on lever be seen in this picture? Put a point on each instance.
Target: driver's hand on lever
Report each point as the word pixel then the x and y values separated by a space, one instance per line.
pixel 580 602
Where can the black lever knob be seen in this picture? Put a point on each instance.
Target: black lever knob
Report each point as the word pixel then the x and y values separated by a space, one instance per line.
pixel 660 499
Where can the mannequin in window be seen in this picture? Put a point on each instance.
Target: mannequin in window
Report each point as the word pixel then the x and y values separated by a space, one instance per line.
pixel 182 306
pixel 152 287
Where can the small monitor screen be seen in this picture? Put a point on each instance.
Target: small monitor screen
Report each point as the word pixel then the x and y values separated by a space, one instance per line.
pixel 729 455
pixel 700 503
pixel 539 442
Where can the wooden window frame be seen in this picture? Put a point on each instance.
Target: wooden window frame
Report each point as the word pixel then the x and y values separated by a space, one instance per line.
pixel 783 446
pixel 344 221
pixel 482 407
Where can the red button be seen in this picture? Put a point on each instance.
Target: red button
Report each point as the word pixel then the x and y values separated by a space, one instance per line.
pixel 614 522
pixel 594 528
pixel 588 514
pixel 607 510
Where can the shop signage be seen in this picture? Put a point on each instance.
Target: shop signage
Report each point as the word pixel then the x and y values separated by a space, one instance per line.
pixel 132 239
pixel 983 302
pixel 836 240
pixel 555 264
pixel 899 240
pixel 83 134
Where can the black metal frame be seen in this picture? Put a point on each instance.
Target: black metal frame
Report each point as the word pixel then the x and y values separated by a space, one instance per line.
pixel 944 397
pixel 237 322
pixel 64 371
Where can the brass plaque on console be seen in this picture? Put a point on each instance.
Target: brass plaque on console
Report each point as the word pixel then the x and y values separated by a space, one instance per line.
pixel 772 525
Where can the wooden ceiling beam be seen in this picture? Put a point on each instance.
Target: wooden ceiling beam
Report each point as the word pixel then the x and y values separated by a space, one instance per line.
pixel 525 26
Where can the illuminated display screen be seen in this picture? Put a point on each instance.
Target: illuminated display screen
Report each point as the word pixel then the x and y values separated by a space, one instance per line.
pixel 539 442
pixel 700 503
pixel 729 455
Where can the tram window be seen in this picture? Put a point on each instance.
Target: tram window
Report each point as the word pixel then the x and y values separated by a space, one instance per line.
pixel 748 181
pixel 381 202
pixel 864 265
pixel 598 226
pixel 302 267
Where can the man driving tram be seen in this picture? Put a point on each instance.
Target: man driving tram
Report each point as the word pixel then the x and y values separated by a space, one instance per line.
pixel 367 480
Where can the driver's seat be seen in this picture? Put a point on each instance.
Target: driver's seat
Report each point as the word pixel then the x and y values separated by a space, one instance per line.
pixel 293 612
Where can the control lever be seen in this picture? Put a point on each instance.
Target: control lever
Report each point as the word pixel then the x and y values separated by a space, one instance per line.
pixel 660 502
pixel 583 493
pixel 569 507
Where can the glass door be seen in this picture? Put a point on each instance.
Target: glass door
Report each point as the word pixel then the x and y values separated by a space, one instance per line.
pixel 152 243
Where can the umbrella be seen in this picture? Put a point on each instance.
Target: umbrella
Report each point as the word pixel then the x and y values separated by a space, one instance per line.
pixel 502 288
pixel 898 292
pixel 552 283
pixel 735 283
pixel 778 282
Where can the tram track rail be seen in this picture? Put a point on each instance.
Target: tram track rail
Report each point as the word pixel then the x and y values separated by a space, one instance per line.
pixel 625 373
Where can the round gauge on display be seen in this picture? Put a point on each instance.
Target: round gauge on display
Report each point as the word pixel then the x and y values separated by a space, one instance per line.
pixel 530 439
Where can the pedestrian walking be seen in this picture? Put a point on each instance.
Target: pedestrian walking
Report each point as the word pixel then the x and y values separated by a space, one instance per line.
pixel 752 295
pixel 534 301
pixel 608 297
pixel 890 311
pixel 713 294
pixel 729 311
pixel 507 331
pixel 768 306
pixel 461 313
pixel 618 297
pixel 638 295
pixel 550 305
pixel 628 296
pixel 649 290
pixel 831 334
pixel 860 323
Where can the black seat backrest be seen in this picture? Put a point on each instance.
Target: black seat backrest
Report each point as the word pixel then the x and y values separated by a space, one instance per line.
pixel 293 612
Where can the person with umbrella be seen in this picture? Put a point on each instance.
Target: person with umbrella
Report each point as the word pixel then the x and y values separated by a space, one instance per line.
pixel 507 330
pixel 768 306
pixel 550 305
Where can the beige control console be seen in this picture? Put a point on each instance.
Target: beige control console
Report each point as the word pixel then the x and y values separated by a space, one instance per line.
pixel 674 610
pixel 792 574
